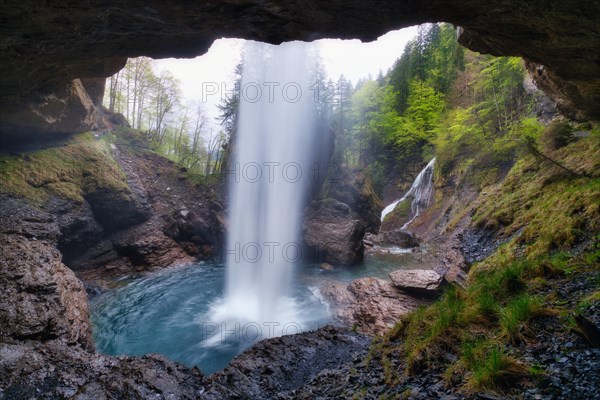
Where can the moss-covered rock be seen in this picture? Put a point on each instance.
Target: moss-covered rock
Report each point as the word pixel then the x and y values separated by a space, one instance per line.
pixel 84 169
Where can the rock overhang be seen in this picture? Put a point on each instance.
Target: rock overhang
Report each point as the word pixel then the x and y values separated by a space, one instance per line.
pixel 46 45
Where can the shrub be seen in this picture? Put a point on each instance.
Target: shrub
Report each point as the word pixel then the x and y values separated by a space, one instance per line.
pixel 556 135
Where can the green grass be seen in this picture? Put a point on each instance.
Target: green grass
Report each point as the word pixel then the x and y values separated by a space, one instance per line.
pixel 476 324
pixel 489 365
pixel 542 206
pixel 544 214
pixel 515 316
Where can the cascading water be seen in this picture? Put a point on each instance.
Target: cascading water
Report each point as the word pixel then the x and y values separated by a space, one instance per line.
pixel 269 180
pixel 186 313
pixel 420 191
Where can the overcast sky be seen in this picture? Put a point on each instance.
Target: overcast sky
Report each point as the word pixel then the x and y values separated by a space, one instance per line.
pixel 352 58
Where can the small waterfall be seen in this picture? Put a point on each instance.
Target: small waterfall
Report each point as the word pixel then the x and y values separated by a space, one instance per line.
pixel 269 180
pixel 420 191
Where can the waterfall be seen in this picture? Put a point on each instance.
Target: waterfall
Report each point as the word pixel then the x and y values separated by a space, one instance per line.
pixel 420 191
pixel 268 182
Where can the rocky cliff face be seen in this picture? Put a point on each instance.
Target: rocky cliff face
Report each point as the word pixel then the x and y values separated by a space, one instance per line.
pixel 103 209
pixel 41 299
pixel 107 214
pixel 46 47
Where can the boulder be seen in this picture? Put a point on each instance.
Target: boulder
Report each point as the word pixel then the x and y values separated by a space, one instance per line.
pixel 423 281
pixel 400 238
pixel 332 233
pixel 116 209
pixel 370 305
pixel 118 200
pixel 147 249
pixel 354 188
pixel 65 108
pixel 40 298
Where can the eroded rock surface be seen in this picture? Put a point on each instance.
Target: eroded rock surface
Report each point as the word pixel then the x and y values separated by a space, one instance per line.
pixel 272 368
pixel 371 305
pixel 41 299
pixel 398 237
pixel 354 188
pixel 185 223
pixel 57 371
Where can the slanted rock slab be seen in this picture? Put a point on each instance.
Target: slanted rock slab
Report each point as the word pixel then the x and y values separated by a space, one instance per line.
pixel 370 305
pixel 424 281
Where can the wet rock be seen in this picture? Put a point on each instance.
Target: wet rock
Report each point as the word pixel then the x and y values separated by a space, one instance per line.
pixel 179 226
pixel 477 244
pixel 52 371
pixel 370 305
pixel 421 281
pixel 40 298
pixel 113 119
pixel 326 267
pixel 19 217
pixel 64 108
pixel 590 331
pixel 151 249
pixel 274 367
pixel 332 233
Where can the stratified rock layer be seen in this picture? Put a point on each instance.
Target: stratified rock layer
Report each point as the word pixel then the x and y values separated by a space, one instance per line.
pixel 58 371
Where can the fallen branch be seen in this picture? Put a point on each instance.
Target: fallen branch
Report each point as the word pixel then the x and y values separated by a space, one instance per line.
pixel 538 153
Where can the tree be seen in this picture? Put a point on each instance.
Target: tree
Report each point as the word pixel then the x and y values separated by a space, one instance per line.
pixel 340 94
pixel 165 96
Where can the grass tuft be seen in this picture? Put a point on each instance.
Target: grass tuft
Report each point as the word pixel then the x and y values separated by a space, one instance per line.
pixel 515 316
pixel 490 366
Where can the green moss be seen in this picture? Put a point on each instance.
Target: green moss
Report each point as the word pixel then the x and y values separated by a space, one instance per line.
pixel 402 209
pixel 82 166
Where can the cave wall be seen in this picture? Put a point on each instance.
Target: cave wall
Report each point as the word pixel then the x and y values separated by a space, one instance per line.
pixel 46 45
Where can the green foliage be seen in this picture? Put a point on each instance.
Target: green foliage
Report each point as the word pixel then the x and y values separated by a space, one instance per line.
pixel 515 316
pixel 556 135
pixel 481 127
pixel 490 127
pixel 551 209
pixel 151 102
pixel 394 119
pixel 434 57
pixel 489 365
